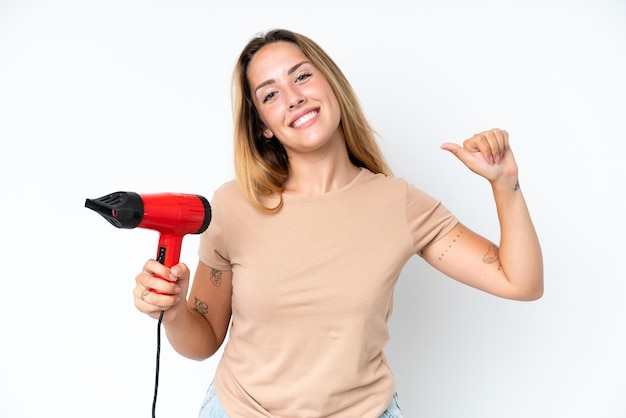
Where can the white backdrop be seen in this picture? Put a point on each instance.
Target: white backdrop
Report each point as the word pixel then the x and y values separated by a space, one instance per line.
pixel 133 95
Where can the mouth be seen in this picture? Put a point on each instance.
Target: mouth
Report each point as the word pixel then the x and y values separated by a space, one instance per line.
pixel 304 118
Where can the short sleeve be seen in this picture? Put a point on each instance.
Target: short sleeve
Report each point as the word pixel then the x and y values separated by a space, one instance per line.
pixel 212 250
pixel 428 219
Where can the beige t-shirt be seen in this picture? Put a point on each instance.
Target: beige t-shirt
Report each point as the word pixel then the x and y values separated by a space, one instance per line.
pixel 312 295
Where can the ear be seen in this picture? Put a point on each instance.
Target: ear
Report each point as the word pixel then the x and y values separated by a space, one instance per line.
pixel 268 134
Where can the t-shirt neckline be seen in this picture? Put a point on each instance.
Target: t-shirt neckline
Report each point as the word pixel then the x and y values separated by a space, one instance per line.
pixel 349 185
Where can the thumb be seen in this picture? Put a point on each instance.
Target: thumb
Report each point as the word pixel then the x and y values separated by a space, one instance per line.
pixel 453 148
pixel 464 155
pixel 179 271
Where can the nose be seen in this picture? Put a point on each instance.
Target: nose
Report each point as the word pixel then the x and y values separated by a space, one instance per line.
pixel 295 102
pixel 295 98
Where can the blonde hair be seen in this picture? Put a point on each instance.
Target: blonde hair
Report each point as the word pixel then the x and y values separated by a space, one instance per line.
pixel 261 164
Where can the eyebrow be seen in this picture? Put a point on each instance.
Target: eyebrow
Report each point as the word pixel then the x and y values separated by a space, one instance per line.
pixel 289 72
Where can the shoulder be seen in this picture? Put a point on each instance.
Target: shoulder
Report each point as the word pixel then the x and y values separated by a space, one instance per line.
pixel 398 190
pixel 227 198
pixel 369 178
pixel 382 183
pixel 230 200
pixel 227 192
pixel 228 187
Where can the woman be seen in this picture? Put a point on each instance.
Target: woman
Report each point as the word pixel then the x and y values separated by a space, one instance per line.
pixel 305 247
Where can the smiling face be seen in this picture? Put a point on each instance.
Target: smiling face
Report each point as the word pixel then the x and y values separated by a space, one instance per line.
pixel 293 99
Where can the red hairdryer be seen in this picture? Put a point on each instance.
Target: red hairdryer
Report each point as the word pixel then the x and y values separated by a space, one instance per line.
pixel 174 215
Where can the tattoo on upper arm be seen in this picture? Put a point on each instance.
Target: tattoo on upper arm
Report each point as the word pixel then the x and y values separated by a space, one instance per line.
pixel 200 306
pixel 516 186
pixel 216 277
pixel 492 256
pixel 454 240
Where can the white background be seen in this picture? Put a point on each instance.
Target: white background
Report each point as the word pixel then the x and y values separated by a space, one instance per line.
pixel 133 95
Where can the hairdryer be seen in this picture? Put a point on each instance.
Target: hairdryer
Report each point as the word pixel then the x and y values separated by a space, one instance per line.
pixel 173 215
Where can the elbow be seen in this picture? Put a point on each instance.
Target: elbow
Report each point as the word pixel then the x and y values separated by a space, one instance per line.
pixel 196 355
pixel 532 296
pixel 533 293
pixel 201 357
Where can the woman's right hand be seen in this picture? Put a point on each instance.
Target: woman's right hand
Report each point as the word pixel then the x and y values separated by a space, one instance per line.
pixel 159 288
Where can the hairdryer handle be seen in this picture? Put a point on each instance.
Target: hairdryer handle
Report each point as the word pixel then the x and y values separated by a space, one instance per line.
pixel 168 252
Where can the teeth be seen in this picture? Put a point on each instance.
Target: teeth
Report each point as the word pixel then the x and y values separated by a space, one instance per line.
pixel 304 119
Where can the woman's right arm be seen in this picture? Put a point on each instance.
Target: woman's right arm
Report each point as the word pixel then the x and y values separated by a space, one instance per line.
pixel 195 326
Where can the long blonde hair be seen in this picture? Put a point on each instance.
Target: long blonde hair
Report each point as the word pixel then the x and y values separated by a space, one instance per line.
pixel 261 164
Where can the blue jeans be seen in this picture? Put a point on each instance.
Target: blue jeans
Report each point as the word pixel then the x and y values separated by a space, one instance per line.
pixel 211 407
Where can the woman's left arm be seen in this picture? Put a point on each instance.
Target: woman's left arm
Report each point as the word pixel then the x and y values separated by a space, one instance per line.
pixel 514 268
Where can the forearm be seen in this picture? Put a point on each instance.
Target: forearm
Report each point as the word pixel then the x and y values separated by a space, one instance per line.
pixel 190 334
pixel 520 252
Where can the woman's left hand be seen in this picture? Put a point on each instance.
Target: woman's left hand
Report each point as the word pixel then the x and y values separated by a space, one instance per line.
pixel 487 154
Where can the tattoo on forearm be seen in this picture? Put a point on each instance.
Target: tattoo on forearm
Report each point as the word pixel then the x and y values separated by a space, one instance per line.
pixel 516 186
pixel 216 277
pixel 492 256
pixel 200 306
pixel 454 240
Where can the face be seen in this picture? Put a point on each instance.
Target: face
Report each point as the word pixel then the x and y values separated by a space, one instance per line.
pixel 293 98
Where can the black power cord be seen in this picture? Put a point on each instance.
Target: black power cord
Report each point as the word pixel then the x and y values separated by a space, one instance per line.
pixel 158 361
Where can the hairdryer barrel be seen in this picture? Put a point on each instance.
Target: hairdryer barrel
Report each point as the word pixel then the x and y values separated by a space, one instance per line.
pixel 172 214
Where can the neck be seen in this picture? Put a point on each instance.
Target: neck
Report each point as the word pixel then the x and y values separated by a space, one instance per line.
pixel 314 175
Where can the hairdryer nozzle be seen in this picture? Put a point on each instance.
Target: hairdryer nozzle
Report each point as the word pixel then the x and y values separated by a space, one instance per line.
pixel 121 209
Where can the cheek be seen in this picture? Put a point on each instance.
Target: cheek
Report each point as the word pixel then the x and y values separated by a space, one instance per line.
pixel 271 116
pixel 260 111
pixel 335 106
pixel 330 96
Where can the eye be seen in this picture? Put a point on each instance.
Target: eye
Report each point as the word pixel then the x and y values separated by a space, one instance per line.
pixel 269 96
pixel 303 76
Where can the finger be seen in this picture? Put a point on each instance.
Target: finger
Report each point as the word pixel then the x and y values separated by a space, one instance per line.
pixel 505 141
pixel 451 146
pixel 162 286
pixel 149 301
pixel 167 281
pixel 481 143
pixel 178 272
pixel 491 144
pixel 142 301
pixel 153 267
pixel 149 280
pixel 499 141
pixel 464 155
pixel 494 139
pixel 143 294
